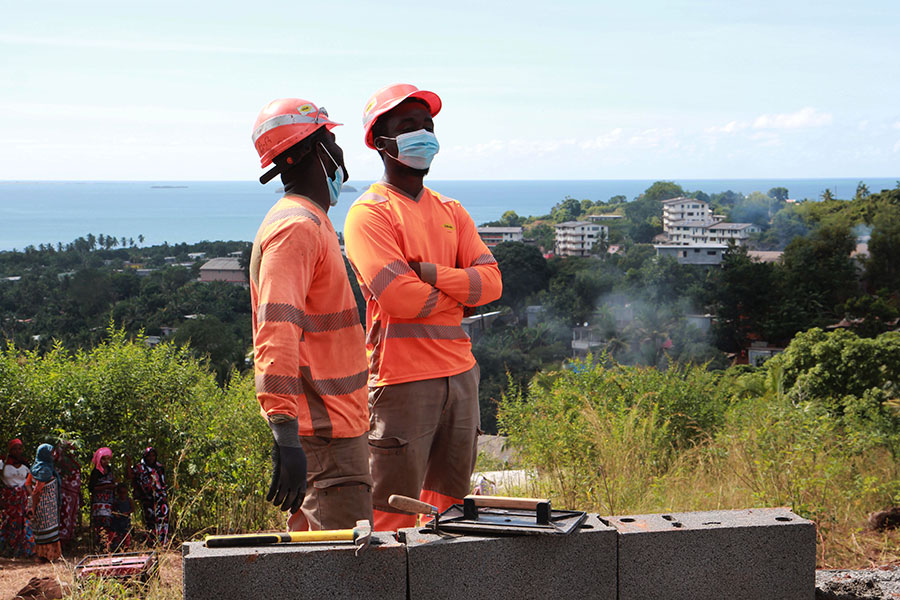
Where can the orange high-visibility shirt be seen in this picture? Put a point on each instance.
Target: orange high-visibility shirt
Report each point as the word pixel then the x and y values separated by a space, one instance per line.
pixel 310 360
pixel 413 323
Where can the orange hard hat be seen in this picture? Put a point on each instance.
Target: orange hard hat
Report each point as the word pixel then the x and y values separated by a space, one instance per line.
pixel 390 96
pixel 284 122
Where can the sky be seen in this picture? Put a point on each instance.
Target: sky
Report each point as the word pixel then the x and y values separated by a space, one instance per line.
pixel 531 90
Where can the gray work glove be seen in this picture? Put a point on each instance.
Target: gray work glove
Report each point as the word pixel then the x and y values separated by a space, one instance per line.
pixel 288 485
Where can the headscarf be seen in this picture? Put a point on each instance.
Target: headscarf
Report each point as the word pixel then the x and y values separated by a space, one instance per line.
pixel 42 469
pixel 99 454
pixel 10 459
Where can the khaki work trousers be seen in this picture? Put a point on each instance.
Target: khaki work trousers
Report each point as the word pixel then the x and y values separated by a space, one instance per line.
pixel 422 443
pixel 339 487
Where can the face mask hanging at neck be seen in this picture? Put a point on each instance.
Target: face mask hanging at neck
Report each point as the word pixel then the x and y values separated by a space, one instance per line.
pixel 416 149
pixel 335 184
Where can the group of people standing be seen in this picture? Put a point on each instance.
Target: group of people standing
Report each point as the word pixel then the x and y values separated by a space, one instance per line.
pixel 40 503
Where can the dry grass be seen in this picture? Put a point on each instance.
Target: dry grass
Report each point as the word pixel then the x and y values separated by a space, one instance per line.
pixel 15 573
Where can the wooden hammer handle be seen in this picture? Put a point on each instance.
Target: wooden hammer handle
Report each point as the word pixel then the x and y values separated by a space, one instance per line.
pixel 411 505
pixel 506 502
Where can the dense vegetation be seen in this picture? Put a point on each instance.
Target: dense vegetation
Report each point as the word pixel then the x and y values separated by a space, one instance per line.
pixel 126 395
pixel 817 429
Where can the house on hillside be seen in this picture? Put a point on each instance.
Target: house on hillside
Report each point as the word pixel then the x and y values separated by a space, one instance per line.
pixel 223 269
pixel 685 209
pixel 695 254
pixel 491 236
pixel 578 238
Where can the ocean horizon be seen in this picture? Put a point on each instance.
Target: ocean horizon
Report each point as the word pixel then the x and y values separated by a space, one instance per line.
pixel 48 212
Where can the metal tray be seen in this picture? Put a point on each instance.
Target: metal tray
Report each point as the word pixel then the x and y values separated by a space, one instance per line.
pixel 542 520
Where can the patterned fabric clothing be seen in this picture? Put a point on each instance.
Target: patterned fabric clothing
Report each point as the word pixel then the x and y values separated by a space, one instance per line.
pixel 101 505
pixel 151 482
pixel 16 537
pixel 69 502
pixel 46 512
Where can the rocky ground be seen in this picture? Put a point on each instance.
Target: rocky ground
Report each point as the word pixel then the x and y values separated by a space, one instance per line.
pixel 866 584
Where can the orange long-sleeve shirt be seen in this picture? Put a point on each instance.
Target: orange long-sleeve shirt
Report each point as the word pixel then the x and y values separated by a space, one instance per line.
pixel 310 361
pixel 413 321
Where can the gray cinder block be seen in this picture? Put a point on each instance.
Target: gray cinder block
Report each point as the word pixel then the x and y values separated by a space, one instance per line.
pixel 296 571
pixel 752 554
pixel 580 565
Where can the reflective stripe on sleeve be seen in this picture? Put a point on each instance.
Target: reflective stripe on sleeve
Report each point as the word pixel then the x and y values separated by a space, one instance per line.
pixel 297 211
pixel 474 286
pixel 313 323
pixel 425 331
pixel 294 386
pixel 278 384
pixel 430 303
pixel 340 386
pixel 386 275
pixel 484 259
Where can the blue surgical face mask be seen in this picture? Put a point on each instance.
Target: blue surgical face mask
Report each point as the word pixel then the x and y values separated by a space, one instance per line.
pixel 416 149
pixel 334 185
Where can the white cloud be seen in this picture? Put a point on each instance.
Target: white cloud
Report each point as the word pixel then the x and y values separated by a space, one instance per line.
pixel 651 138
pixel 896 124
pixel 807 117
pixel 602 141
pixel 730 127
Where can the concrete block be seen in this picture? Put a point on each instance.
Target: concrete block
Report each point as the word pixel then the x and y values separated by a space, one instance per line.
pixel 296 571
pixel 580 565
pixel 748 554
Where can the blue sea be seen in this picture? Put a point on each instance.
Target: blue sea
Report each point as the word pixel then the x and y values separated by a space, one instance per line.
pixel 32 213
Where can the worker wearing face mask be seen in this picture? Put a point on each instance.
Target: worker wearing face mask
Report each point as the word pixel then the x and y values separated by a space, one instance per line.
pixel 309 345
pixel 420 263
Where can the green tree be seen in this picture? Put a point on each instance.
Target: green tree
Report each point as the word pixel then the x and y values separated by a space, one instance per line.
pixel 883 264
pixel 779 193
pixel 524 270
pixel 742 294
pixel 663 190
pixel 862 191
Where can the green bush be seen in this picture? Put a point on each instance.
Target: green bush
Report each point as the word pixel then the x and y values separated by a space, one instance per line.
pixel 126 395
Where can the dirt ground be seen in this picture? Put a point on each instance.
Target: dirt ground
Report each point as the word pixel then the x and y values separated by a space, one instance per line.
pixel 15 573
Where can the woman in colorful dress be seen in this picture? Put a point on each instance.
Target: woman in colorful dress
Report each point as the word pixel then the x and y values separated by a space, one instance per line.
pixel 70 491
pixel 150 481
pixel 102 485
pixel 16 538
pixel 44 481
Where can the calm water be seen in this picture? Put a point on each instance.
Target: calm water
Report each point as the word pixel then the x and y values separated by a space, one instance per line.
pixel 50 212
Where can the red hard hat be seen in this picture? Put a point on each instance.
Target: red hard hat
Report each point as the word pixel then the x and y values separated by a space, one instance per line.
pixel 284 122
pixel 390 96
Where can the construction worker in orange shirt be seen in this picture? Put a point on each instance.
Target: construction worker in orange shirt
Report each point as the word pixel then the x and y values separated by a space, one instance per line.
pixel 309 344
pixel 420 263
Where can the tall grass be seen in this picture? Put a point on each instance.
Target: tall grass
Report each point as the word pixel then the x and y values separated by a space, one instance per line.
pixel 631 440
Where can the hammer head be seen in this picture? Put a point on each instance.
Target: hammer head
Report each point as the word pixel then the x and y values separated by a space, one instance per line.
pixel 362 535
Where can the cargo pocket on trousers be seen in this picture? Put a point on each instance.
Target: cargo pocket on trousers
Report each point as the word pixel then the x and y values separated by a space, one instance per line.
pixel 341 501
pixel 388 445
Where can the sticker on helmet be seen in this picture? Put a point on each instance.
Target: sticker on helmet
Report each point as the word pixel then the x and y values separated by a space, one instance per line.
pixel 369 107
pixel 305 108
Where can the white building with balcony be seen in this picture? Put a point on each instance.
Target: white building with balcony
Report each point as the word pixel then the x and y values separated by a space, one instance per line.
pixel 685 209
pixel 577 238
pixel 491 236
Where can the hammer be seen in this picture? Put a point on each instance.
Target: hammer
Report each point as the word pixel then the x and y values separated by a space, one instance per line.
pixel 361 536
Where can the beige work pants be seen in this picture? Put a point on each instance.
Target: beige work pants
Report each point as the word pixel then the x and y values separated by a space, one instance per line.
pixel 339 487
pixel 422 442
